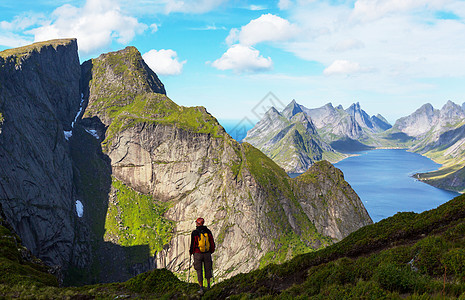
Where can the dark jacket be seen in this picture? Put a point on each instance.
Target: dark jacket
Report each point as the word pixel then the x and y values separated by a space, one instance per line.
pixel 195 236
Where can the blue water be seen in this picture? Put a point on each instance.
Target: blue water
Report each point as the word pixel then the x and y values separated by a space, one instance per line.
pixel 237 129
pixel 382 179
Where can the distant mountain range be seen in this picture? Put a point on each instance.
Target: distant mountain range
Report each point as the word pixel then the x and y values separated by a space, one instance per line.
pixel 332 132
pixel 291 139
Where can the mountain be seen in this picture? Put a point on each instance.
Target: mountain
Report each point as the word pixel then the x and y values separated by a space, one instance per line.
pixel 290 139
pixel 102 175
pixel 408 255
pixel 439 135
pixel 347 130
pixel 36 171
pixel 298 136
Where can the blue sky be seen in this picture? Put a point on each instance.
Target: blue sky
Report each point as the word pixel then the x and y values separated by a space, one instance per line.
pixel 392 56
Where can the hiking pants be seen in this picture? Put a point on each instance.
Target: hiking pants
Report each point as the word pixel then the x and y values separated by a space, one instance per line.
pixel 206 259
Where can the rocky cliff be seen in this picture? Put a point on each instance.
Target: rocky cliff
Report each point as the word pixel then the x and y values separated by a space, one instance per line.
pixel 183 159
pixel 39 98
pixel 117 194
pixel 290 139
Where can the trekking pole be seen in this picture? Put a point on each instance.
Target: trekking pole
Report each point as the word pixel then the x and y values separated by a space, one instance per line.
pixel 189 276
pixel 213 275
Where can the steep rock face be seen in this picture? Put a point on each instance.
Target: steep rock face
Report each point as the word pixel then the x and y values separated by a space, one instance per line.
pixel 291 139
pixel 39 97
pixel 183 159
pixel 331 193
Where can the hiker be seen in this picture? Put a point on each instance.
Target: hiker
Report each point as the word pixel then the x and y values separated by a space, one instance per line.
pixel 202 247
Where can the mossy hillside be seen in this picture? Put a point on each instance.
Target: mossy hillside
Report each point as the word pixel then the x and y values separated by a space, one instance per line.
pixel 137 219
pixel 124 92
pixel 18 54
pixel 18 267
pixel 420 256
pixel 155 284
pixel 275 180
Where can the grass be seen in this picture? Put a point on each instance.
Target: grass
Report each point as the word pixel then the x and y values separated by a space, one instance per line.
pixel 420 256
pixel 409 255
pixel 137 219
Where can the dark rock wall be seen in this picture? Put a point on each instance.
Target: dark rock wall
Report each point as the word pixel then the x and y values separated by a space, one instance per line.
pixel 39 97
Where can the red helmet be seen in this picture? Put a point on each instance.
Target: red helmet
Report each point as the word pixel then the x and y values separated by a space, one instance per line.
pixel 200 221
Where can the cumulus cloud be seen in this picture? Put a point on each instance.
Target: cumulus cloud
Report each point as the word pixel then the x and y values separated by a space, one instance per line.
pixel 95 25
pixel 266 28
pixel 240 58
pixel 164 62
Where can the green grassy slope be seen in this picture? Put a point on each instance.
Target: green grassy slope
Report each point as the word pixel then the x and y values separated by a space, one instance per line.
pixel 407 255
pixel 414 256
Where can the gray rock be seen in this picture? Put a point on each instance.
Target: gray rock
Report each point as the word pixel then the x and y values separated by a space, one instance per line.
pixel 39 98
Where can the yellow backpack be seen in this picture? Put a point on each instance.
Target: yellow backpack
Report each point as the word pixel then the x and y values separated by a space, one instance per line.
pixel 204 243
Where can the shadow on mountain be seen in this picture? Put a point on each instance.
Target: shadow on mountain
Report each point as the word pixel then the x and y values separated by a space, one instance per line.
pixel 399 137
pixel 97 260
pixel 348 145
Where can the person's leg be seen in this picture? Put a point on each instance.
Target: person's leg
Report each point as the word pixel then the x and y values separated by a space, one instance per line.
pixel 198 268
pixel 208 267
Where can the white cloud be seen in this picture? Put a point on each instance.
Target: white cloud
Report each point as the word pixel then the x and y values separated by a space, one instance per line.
pixel 192 6
pixel 154 27
pixel 266 28
pixel 344 67
pixel 374 9
pixel 284 4
pixel 95 25
pixel 164 62
pixel 240 58
pixel 257 7
pixel 346 45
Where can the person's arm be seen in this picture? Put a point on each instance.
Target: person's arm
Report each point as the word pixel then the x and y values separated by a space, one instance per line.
pixel 212 242
pixel 191 250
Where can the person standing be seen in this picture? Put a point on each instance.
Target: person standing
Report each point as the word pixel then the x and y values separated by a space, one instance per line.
pixel 202 247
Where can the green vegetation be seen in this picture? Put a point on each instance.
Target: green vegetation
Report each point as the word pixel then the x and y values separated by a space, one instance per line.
pixel 2 119
pixel 137 219
pixel 408 255
pixel 136 96
pixel 18 267
pixel 413 256
pixel 278 184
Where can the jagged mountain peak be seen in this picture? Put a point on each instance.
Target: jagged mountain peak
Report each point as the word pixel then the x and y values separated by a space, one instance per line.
pixel 354 107
pixel 273 112
pixel 425 108
pixel 291 109
pixel 451 106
